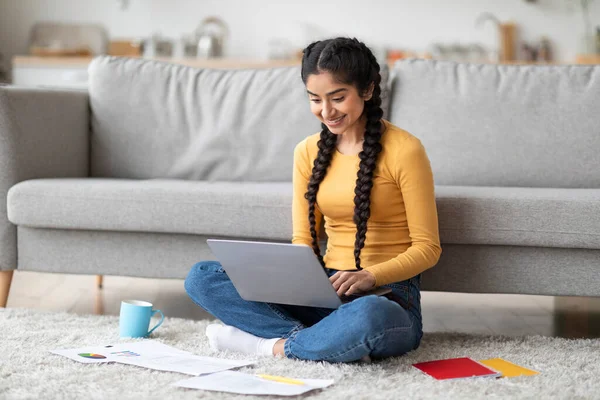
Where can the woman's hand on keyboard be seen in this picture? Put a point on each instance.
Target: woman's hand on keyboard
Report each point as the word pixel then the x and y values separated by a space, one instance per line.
pixel 351 282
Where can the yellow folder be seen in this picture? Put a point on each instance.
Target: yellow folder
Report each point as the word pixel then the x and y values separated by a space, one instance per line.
pixel 508 369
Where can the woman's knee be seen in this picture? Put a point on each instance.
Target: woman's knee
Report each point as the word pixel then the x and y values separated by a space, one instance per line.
pixel 375 308
pixel 380 314
pixel 392 331
pixel 201 275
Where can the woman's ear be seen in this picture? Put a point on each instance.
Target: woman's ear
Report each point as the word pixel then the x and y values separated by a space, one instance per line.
pixel 369 92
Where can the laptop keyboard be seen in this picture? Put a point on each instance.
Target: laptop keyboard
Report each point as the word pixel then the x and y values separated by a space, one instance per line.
pixel 348 298
pixel 381 291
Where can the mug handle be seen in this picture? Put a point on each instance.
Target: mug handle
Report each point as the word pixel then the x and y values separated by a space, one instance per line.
pixel 162 318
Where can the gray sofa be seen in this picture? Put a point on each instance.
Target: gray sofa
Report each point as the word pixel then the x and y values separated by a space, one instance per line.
pixel 132 176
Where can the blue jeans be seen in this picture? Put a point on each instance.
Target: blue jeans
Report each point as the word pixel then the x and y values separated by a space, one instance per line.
pixel 373 326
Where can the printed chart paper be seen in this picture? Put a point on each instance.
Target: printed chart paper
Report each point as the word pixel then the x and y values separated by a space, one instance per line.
pixel 183 363
pixel 110 353
pixel 153 355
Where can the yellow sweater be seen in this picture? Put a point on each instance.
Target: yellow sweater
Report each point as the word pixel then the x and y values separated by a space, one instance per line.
pixel 402 233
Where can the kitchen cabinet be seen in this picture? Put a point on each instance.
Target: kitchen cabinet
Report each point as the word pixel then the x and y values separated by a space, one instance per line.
pixel 71 72
pixel 63 72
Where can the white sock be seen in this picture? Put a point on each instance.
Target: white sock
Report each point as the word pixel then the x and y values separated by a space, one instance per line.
pixel 225 337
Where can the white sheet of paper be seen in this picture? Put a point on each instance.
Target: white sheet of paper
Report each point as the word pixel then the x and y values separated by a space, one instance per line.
pixel 74 354
pixel 153 355
pixel 241 383
pixel 111 352
pixel 183 363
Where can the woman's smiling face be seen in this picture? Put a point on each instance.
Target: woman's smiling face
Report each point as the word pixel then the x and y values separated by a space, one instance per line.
pixel 337 105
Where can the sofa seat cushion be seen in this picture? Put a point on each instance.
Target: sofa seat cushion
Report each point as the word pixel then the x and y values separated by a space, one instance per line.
pixel 248 210
pixel 545 217
pixel 568 218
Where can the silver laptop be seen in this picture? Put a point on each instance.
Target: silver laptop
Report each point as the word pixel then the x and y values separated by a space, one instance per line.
pixel 279 273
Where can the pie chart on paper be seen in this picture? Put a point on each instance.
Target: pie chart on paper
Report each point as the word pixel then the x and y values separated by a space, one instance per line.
pixel 91 355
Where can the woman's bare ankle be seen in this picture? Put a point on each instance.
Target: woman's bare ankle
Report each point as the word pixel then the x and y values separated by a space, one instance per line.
pixel 278 349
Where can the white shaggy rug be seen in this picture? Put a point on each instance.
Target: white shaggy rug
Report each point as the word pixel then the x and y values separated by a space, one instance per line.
pixel 570 369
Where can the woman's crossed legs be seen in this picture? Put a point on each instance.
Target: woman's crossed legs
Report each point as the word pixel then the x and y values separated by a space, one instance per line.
pixel 369 326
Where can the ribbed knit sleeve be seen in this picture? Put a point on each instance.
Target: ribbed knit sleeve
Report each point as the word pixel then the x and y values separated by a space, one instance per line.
pixel 414 177
pixel 301 176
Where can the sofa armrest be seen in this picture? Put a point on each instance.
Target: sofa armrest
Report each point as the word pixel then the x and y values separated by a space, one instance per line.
pixel 43 134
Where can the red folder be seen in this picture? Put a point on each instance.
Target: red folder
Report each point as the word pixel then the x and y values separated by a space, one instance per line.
pixel 455 368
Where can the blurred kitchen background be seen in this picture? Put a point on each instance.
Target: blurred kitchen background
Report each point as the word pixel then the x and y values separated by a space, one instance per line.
pixel 50 42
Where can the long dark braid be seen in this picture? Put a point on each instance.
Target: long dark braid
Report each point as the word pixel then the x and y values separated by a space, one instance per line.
pixel 326 146
pixel 352 63
pixel 368 161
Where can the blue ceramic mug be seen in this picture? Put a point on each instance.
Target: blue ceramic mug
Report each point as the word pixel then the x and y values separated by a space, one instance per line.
pixel 134 319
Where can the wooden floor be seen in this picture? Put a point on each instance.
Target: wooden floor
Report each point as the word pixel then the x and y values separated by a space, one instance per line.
pixel 511 315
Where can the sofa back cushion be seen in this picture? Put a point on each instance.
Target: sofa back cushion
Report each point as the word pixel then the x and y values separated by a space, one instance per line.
pixel 157 120
pixel 502 125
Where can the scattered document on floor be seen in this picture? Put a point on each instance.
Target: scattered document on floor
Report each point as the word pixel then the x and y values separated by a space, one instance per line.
pixel 111 353
pixel 86 355
pixel 241 383
pixel 152 355
pixel 183 363
pixel 508 369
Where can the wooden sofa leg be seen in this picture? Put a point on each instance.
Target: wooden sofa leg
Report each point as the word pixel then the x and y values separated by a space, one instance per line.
pixel 99 303
pixel 5 281
pixel 99 281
